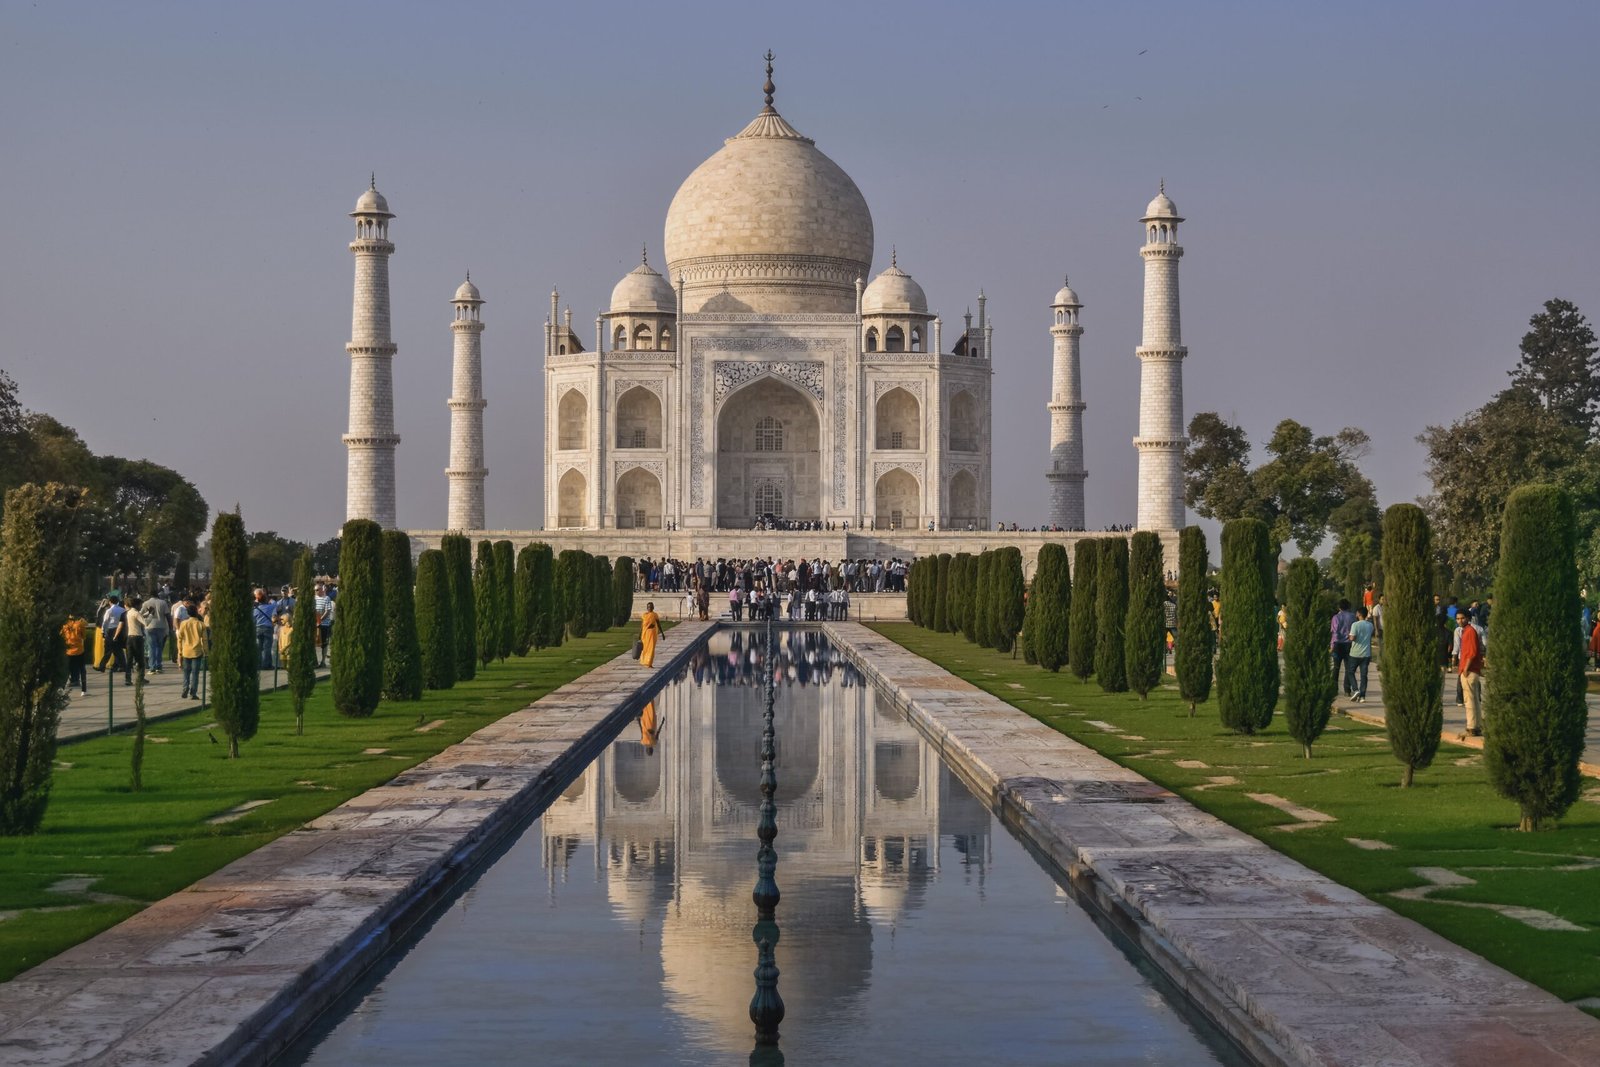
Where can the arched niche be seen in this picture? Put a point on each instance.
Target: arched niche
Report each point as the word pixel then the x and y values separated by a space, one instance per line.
pixel 638 500
pixel 638 419
pixel 964 422
pixel 963 500
pixel 898 420
pixel 572 499
pixel 897 500
pixel 572 420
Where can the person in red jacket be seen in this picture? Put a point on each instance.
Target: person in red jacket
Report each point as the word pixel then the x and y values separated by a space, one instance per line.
pixel 1470 660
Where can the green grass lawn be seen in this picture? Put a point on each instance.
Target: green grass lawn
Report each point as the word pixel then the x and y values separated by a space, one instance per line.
pixel 109 851
pixel 1450 819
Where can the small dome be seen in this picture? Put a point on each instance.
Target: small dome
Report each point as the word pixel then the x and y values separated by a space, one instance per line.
pixel 1161 207
pixel 644 291
pixel 468 293
pixel 894 291
pixel 372 202
pixel 1066 296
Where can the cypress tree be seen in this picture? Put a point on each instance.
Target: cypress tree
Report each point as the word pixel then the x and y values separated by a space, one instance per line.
pixel 1030 655
pixel 525 602
pixel 1145 631
pixel 1111 616
pixel 1308 684
pixel 1049 607
pixel 969 608
pixel 1007 601
pixel 622 573
pixel 982 619
pixel 572 579
pixel 486 597
pixel 1412 711
pixel 1194 642
pixel 600 606
pixel 1084 626
pixel 464 614
pixel 956 616
pixel 303 640
pixel 38 556
pixel 235 661
pixel 927 574
pixel 1247 654
pixel 435 621
pixel 1537 717
pixel 359 639
pixel 941 593
pixel 913 594
pixel 402 653
pixel 548 622
pixel 505 587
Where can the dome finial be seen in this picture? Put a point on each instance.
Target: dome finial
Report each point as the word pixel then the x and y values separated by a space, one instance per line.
pixel 469 275
pixel 644 254
pixel 1065 283
pixel 372 180
pixel 1163 186
pixel 769 88
pixel 894 256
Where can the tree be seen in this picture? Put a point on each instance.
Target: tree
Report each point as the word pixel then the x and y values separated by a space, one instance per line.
pixel 505 584
pixel 1308 683
pixel 572 583
pixel 956 615
pixel 1247 653
pixel 359 639
pixel 164 508
pixel 37 553
pixel 486 596
pixel 525 604
pixel 600 601
pixel 548 624
pixel 1560 365
pixel 941 593
pixel 464 615
pixel 1083 625
pixel 325 557
pixel 1145 632
pixel 436 634
pixel 303 640
pixel 1194 641
pixel 234 657
pixel 1412 710
pixel 622 591
pixel 1216 472
pixel 1006 603
pixel 402 650
pixel 272 558
pixel 1538 714
pixel 983 592
pixel 1049 605
pixel 1111 615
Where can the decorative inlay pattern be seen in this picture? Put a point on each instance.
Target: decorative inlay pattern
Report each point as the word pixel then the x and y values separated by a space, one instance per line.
pixel 649 466
pixel 912 467
pixel 622 385
pixel 581 466
pixel 880 386
pixel 697 433
pixel 730 375
pixel 753 316
pixel 841 401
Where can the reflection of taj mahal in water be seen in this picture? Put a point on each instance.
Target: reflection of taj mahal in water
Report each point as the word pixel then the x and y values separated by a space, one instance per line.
pixel 864 805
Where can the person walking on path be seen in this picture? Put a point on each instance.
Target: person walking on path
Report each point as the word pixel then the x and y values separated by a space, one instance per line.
pixel 1470 660
pixel 157 624
pixel 75 632
pixel 133 621
pixel 324 623
pixel 191 649
pixel 1360 653
pixel 111 634
pixel 1339 645
pixel 649 631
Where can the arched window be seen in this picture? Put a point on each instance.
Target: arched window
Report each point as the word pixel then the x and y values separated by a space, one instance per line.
pixel 872 340
pixel 916 340
pixel 619 340
pixel 666 338
pixel 641 336
pixel 769 500
pixel 894 340
pixel 769 434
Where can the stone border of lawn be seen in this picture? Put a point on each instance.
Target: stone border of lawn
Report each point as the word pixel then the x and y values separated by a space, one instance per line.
pixel 1294 967
pixel 232 969
pixel 1450 737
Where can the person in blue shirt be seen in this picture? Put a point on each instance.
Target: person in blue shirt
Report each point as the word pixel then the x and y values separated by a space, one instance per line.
pixel 262 612
pixel 1360 654
pixel 1339 645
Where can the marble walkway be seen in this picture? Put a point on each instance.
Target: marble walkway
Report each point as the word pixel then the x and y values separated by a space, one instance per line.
pixel 1297 968
pixel 92 715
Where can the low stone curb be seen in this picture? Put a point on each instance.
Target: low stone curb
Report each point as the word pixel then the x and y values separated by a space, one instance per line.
pixel 1294 967
pixel 230 970
pixel 1450 737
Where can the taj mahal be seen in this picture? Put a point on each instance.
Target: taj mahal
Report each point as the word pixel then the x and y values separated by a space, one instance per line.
pixel 765 375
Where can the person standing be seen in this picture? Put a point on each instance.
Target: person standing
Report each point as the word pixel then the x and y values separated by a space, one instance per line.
pixel 1470 661
pixel 1361 632
pixel 75 632
pixel 133 625
pixel 191 649
pixel 261 612
pixel 649 632
pixel 1339 645
pixel 157 624
pixel 702 599
pixel 111 639
pixel 324 623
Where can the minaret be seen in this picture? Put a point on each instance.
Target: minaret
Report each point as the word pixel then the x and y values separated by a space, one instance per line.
pixel 370 442
pixel 466 471
pixel 1161 440
pixel 1066 473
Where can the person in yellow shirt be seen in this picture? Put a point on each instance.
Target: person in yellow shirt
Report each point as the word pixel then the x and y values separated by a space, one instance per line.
pixel 649 631
pixel 191 648
pixel 75 632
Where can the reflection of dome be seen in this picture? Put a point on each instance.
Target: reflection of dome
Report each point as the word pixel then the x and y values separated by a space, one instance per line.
pixel 894 291
pixel 896 770
pixel 643 291
pixel 772 219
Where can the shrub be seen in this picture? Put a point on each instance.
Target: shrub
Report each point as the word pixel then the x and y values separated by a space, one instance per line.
pixel 1006 601
pixel 303 640
pixel 464 616
pixel 941 593
pixel 548 623
pixel 359 640
pixel 1537 717
pixel 1412 711
pixel 622 591
pixel 1049 605
pixel 600 609
pixel 572 584
pixel 1082 629
pixel 435 621
pixel 402 654
pixel 505 587
pixel 956 615
pixel 982 593
pixel 1308 683
pixel 1194 641
pixel 486 597
pixel 524 603
pixel 38 557
pixel 1145 631
pixel 1111 616
pixel 234 659
pixel 1247 654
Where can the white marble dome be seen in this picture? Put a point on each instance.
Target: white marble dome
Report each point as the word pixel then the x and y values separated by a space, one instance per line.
pixel 1065 295
pixel 644 291
pixel 894 291
pixel 468 293
pixel 1161 207
pixel 372 202
pixel 771 220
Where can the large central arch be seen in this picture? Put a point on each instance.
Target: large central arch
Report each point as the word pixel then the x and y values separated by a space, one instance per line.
pixel 769 455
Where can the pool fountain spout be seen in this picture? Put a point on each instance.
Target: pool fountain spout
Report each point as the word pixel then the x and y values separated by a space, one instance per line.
pixel 766 1007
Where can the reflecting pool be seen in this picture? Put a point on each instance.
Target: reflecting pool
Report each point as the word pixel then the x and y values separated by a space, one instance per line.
pixel 912 927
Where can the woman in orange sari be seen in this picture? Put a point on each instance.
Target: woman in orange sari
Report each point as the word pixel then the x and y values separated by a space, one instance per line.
pixel 648 728
pixel 649 631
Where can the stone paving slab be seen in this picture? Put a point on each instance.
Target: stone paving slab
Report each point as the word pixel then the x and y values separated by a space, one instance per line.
pixel 230 969
pixel 1295 967
pixel 87 715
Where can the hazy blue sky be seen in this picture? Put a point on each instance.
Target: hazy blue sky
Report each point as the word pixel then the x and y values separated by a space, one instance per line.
pixel 1378 196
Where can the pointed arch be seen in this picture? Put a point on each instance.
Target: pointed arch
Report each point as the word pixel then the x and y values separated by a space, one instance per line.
pixel 638 419
pixel 572 420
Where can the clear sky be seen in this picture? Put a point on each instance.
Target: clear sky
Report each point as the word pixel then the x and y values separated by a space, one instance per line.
pixel 1379 195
